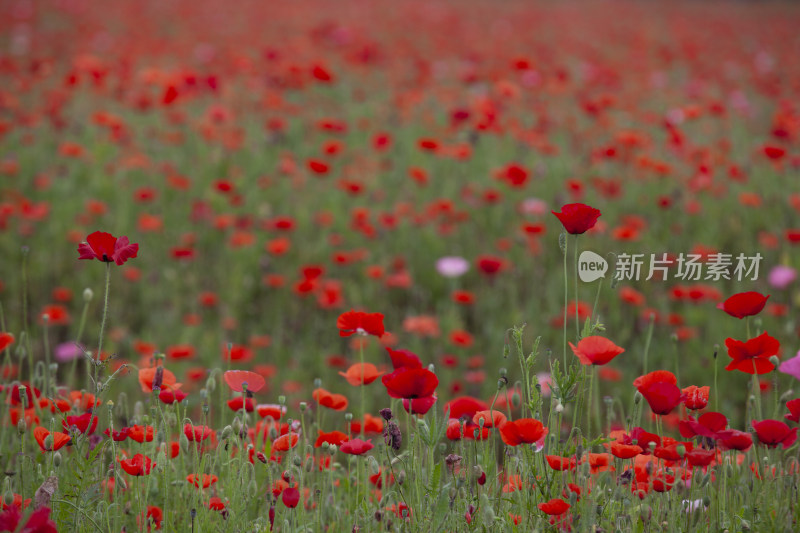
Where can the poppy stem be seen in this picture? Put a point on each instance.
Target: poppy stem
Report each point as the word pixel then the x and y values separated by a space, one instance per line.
pixel 577 321
pixel 363 392
pixel 566 298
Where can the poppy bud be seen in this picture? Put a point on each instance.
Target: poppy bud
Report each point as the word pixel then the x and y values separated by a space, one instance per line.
pixel 183 440
pixel 8 498
pixel 706 501
pixel 48 442
pixel 681 450
pixel 296 461
pixel 516 400
pixel 237 425
pixel 332 449
pixel 348 417
pixel 282 400
pixel 559 406
pixel 120 482
pixel 211 384
pixel 317 383
pixel 22 426
pixel 774 360
pixel 401 477
pixel 453 493
pixel 88 294
pixel 226 432
pixel 705 480
pixel 637 397
pixel 562 242
pixel 206 408
pixel 57 459
pixel 303 407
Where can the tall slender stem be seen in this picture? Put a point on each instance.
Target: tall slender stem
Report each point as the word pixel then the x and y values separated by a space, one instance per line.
pixel 566 298
pixel 575 296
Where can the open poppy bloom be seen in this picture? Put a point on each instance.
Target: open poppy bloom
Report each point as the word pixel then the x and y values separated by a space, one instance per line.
pixel 522 431
pixel 239 380
pixel 284 443
pixel 361 374
pixel 410 383
pixel 169 397
pixel 733 439
pixel 290 497
pixel 708 425
pixel 554 507
pixel 138 465
pixel 419 406
pixel 774 432
pixel 696 397
pixel 595 350
pixel 85 423
pixel 752 356
pixel 157 377
pixel 577 218
pixel 359 322
pixel 141 434
pixel 744 304
pixel 794 410
pixel 560 464
pixel 273 411
pixel 6 340
pixel 196 433
pixel 39 521
pixel 491 419
pixel 59 439
pixel 107 248
pixel 337 402
pixel 625 451
pixel 356 446
pixel 207 480
pixel 404 359
pixel 662 397
pixel 373 424
pixel 332 437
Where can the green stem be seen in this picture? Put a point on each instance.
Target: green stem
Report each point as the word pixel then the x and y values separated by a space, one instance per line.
pixel 575 297
pixel 566 299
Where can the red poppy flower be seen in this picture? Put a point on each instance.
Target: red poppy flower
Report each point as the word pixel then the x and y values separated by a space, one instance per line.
pixel 356 446
pixel 577 218
pixel 59 439
pixel 138 465
pixel 560 464
pixel 522 431
pixel 699 457
pixel 419 406
pixel 207 480
pixel 491 419
pixel 708 425
pixel 332 437
pixel 774 432
pixel 239 380
pixel 274 411
pixel 119 435
pixel 625 451
pixel 490 264
pixel 744 304
pixel 733 439
pixel 337 402
pixel 290 497
pixel 464 406
pixel 39 521
pixel 240 402
pixel 410 383
pixel 595 350
pixel 196 433
pixel 359 322
pixel 6 340
pixel 157 376
pixel 215 503
pixel 642 382
pixel 141 434
pixel 794 410
pixel 373 424
pixel 361 374
pixel 284 443
pixel 169 397
pixel 696 397
pixel 554 507
pixel 404 359
pixel 82 422
pixel 643 438
pixel 470 430
pixel 107 248
pixel 752 356
pixel 662 397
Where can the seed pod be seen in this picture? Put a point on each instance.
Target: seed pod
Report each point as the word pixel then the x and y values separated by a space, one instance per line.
pixel 57 459
pixel 88 294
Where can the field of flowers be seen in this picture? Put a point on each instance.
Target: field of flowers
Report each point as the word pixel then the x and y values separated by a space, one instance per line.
pixel 419 266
